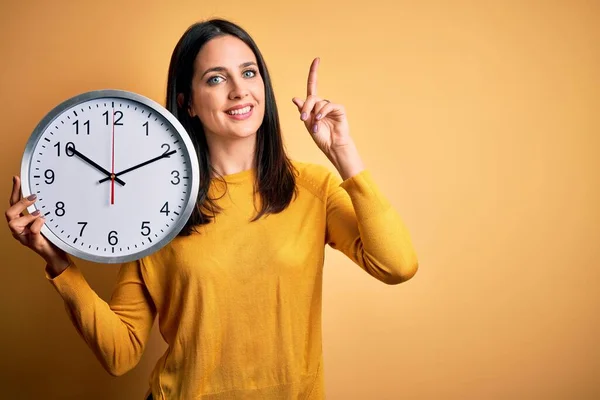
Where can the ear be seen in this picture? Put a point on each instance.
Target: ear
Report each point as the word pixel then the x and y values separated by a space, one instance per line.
pixel 180 100
pixel 180 105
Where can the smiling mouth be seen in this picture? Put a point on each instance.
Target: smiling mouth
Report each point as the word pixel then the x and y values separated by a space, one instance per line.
pixel 240 111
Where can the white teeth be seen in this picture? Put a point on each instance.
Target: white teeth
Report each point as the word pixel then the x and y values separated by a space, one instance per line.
pixel 240 111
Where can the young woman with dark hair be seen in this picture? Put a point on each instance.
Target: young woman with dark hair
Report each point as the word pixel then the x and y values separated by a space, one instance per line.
pixel 238 293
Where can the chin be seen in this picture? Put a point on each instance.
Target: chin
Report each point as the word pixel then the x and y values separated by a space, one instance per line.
pixel 240 132
pixel 244 130
pixel 244 134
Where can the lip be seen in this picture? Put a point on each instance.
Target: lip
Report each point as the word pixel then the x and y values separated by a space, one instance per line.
pixel 239 106
pixel 243 116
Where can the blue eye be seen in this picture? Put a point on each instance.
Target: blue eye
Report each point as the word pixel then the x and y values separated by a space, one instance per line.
pixel 252 73
pixel 213 80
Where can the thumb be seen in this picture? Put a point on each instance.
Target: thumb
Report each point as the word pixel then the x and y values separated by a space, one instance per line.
pixel 298 102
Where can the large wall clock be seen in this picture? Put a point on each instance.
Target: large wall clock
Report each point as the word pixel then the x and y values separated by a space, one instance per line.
pixel 115 174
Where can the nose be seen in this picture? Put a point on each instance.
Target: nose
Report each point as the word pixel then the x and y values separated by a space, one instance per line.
pixel 238 89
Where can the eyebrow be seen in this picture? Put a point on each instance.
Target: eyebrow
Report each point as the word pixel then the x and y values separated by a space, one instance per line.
pixel 243 65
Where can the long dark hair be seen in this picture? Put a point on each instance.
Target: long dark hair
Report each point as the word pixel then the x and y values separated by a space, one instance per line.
pixel 275 180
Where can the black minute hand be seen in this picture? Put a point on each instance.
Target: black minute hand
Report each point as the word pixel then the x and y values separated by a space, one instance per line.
pixel 93 164
pixel 164 155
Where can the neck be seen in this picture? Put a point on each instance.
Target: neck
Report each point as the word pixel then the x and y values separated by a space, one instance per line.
pixel 230 156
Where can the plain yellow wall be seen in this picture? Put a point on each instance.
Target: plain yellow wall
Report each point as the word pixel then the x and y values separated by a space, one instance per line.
pixel 479 120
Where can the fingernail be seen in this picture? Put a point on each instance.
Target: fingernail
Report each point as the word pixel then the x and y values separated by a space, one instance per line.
pixel 31 197
pixel 315 128
pixel 319 116
pixel 303 116
pixel 36 212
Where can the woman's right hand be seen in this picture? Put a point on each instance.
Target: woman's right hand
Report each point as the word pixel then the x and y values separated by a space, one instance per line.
pixel 26 229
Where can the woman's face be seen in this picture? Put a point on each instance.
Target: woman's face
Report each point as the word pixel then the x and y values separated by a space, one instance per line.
pixel 228 93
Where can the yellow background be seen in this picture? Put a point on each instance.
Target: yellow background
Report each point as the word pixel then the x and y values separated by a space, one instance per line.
pixel 479 120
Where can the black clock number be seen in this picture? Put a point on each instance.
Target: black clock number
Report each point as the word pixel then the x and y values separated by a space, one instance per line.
pixel 176 176
pixel 145 228
pixel 168 148
pixel 117 115
pixel 69 147
pixel 146 125
pixel 112 238
pixel 84 224
pixel 165 209
pixel 60 209
pixel 49 175
pixel 86 123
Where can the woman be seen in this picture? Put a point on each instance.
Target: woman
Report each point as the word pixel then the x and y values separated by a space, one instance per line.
pixel 238 292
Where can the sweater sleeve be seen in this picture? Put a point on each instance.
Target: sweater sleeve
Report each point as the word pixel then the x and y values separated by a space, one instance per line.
pixel 116 331
pixel 363 225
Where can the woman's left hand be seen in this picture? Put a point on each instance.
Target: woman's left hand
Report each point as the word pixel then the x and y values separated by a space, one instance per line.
pixel 324 120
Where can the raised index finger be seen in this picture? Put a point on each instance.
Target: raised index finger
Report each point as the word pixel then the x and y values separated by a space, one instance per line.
pixel 311 88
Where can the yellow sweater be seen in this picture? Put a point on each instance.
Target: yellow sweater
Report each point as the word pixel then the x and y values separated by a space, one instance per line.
pixel 239 304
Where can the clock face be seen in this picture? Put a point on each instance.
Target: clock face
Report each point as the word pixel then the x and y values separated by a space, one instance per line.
pixel 115 174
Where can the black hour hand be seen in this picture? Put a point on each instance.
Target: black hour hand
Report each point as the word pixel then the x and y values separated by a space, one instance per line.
pixel 71 148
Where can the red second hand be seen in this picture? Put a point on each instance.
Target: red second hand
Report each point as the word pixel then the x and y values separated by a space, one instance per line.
pixel 112 172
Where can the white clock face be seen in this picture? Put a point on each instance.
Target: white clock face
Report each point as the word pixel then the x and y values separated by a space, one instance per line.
pixel 114 176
